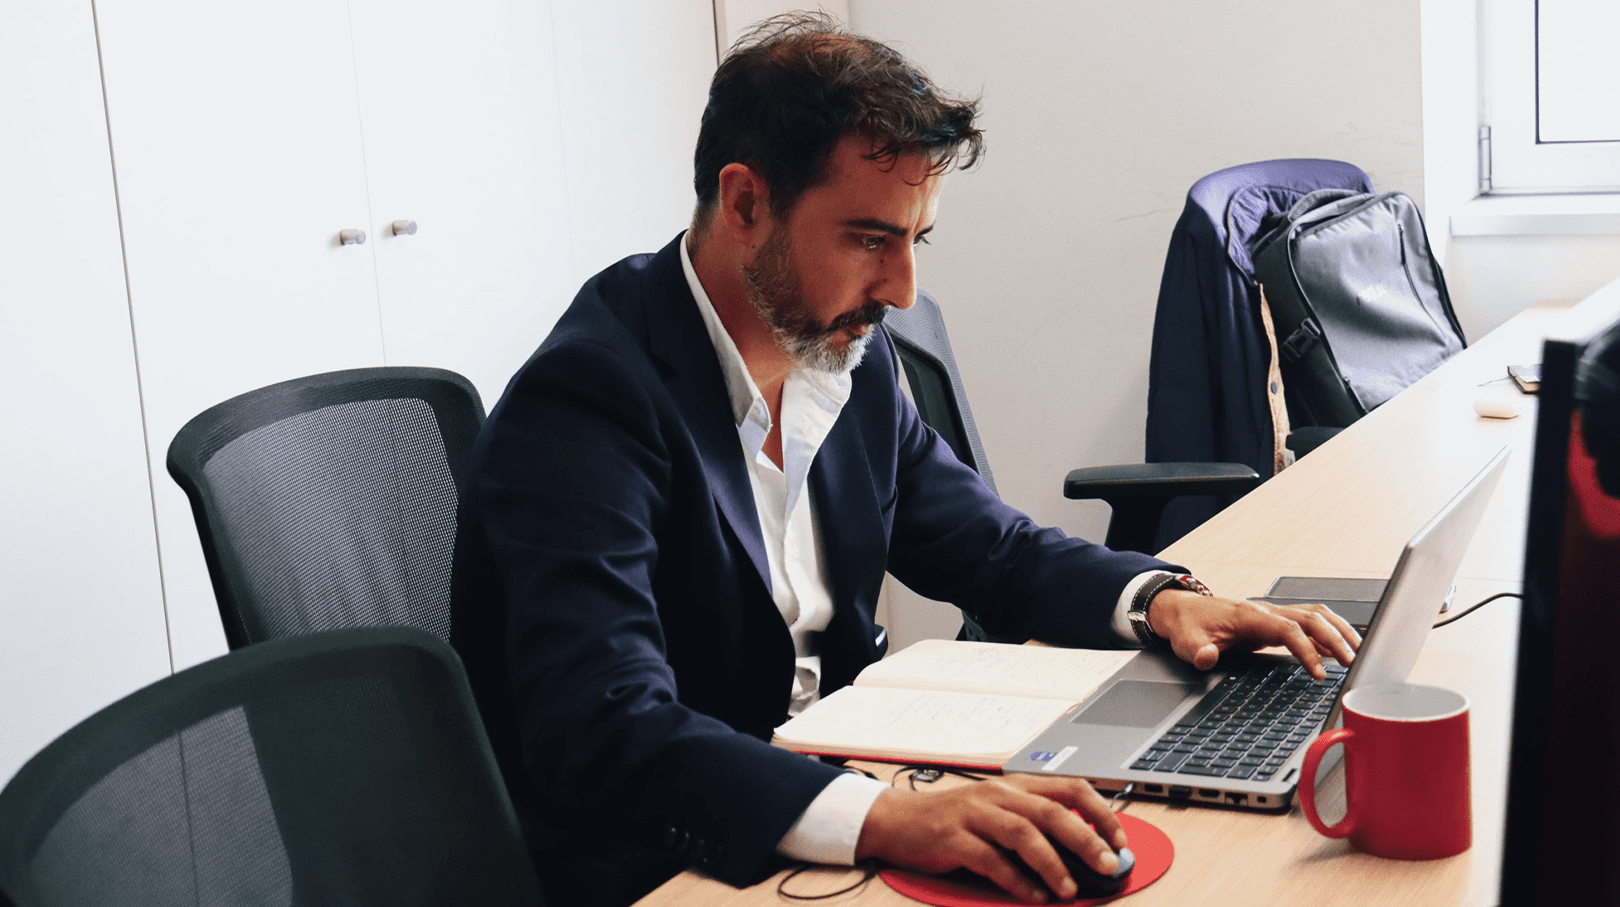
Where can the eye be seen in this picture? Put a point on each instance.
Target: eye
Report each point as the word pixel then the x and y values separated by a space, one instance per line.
pixel 873 243
pixel 921 240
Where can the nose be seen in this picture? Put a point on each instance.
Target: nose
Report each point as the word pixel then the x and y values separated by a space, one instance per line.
pixel 898 282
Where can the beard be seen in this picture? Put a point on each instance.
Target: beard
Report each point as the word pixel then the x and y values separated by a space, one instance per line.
pixel 774 289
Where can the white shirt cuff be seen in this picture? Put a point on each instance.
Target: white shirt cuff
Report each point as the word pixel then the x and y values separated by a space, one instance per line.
pixel 829 828
pixel 1121 623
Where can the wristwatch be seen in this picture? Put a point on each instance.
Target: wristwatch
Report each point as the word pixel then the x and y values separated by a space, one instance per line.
pixel 1138 613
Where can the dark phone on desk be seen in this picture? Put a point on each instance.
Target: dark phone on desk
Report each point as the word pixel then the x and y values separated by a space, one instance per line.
pixel 1354 599
pixel 1527 377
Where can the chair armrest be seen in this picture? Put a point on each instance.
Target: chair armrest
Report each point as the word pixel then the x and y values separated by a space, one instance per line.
pixel 1138 493
pixel 1166 480
pixel 1308 438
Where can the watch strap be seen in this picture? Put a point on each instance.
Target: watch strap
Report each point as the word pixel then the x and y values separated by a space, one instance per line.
pixel 1143 599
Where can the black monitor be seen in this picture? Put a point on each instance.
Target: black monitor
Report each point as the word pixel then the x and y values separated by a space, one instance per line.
pixel 1562 838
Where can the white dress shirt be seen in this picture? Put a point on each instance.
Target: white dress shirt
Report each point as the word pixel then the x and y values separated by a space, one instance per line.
pixel 830 826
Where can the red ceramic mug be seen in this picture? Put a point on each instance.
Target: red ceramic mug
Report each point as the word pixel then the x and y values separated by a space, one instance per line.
pixel 1405 772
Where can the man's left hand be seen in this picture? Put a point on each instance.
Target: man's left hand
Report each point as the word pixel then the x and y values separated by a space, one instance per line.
pixel 1201 627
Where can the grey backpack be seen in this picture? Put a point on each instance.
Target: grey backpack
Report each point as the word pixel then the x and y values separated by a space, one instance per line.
pixel 1358 302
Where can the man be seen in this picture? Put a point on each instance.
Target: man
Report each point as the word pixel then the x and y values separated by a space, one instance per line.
pixel 682 509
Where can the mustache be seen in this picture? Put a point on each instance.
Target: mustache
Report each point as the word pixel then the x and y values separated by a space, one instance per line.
pixel 872 314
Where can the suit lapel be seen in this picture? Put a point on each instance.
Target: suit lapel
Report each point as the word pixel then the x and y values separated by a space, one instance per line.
pixel 851 531
pixel 677 337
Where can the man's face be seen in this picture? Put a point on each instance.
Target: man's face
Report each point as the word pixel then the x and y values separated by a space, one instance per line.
pixel 824 276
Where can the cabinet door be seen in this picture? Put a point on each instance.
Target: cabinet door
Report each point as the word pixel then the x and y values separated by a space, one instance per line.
pixel 462 138
pixel 236 139
pixel 81 616
pixel 633 77
pixel 533 147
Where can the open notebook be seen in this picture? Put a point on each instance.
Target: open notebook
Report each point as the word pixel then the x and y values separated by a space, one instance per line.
pixel 942 701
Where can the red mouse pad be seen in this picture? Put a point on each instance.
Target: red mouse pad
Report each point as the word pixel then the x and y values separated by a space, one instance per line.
pixel 1153 855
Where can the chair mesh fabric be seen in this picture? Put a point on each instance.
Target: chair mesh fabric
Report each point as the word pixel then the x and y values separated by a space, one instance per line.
pixel 340 517
pixel 936 383
pixel 338 768
pixel 941 399
pixel 337 509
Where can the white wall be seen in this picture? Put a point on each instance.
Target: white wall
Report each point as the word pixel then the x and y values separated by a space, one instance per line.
pixel 1099 117
pixel 1502 275
pixel 1451 100
pixel 733 17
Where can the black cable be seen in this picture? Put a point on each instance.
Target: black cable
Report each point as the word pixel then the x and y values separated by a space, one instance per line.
pixel 911 772
pixel 1459 615
pixel 868 868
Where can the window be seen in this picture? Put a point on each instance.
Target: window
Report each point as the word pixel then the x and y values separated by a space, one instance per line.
pixel 1552 96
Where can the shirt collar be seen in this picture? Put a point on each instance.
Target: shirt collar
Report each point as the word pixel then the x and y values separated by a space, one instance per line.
pixel 747 403
pixel 829 392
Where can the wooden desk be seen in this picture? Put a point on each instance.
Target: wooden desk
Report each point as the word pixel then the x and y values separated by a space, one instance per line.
pixel 1346 510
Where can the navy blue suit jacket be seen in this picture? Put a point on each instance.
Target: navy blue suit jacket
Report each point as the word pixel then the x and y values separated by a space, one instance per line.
pixel 612 594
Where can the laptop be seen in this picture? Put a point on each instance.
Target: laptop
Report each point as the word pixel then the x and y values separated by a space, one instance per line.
pixel 1180 733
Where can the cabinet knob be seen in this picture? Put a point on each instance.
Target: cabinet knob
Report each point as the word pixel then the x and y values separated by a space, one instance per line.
pixel 353 237
pixel 404 228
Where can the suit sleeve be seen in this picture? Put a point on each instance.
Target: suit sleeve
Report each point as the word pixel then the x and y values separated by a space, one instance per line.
pixel 954 540
pixel 571 494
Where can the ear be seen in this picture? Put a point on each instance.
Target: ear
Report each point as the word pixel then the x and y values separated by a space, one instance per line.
pixel 744 209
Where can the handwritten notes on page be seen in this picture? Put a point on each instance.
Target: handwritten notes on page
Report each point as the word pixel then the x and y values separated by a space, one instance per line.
pixel 989 667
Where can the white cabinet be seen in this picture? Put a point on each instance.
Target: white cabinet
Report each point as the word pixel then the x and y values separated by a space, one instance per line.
pixel 461 137
pixel 531 143
pixel 236 138
pixel 193 253
pixel 81 613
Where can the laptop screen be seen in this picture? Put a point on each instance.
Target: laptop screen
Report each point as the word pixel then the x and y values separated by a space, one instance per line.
pixel 1420 582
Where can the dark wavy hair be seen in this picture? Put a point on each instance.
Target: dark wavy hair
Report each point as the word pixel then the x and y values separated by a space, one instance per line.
pixel 795 84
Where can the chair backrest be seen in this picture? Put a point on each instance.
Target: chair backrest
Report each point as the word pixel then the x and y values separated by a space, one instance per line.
pixel 330 501
pixel 1208 395
pixel 346 767
pixel 936 384
pixel 941 399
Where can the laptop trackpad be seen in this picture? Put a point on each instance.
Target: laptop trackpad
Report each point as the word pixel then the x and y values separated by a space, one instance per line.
pixel 1135 703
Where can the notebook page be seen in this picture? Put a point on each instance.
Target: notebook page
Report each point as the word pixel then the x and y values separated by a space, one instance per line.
pixel 925 725
pixel 988 667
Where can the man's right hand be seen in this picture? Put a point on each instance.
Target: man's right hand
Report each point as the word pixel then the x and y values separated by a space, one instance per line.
pixel 963 826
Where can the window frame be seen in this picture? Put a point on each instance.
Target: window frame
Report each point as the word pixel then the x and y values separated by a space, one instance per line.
pixel 1512 159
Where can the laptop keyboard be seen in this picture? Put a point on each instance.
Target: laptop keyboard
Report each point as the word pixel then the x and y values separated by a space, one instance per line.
pixel 1247 725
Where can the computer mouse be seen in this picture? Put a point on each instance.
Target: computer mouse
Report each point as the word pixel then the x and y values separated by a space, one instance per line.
pixel 1496 408
pixel 1090 882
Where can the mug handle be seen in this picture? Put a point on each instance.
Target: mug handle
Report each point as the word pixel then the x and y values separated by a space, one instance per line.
pixel 1307 784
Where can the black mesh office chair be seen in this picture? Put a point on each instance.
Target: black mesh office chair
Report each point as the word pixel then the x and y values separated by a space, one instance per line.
pixel 338 768
pixel 330 501
pixel 936 383
pixel 1136 492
